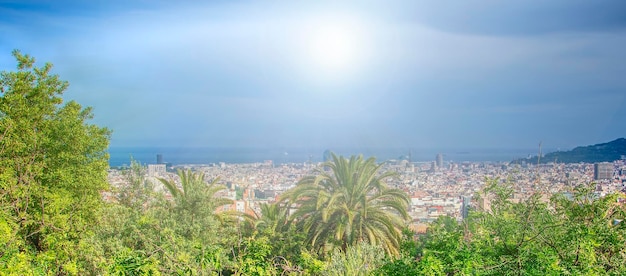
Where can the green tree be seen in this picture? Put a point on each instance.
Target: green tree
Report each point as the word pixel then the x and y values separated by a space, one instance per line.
pixel 138 190
pixel 255 258
pixel 591 236
pixel 195 197
pixel 582 235
pixel 53 166
pixel 348 202
pixel 273 218
pixel 503 240
pixel 287 243
pixel 146 232
pixel 404 264
pixel 359 259
pixel 129 263
pixel 202 235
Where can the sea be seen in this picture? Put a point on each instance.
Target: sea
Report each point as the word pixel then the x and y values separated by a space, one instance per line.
pixel 121 156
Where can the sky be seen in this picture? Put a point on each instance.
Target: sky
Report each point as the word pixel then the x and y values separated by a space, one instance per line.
pixel 328 74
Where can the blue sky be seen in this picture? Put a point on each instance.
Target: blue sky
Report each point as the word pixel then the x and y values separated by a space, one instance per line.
pixel 401 74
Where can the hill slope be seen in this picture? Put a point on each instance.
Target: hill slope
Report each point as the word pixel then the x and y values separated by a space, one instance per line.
pixel 606 152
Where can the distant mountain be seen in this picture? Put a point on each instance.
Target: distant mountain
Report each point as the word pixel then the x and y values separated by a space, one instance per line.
pixel 606 152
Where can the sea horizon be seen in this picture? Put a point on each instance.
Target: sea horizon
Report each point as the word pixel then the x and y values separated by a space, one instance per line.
pixel 121 156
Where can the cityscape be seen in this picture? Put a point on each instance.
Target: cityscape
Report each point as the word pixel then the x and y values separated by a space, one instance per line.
pixel 319 138
pixel 437 188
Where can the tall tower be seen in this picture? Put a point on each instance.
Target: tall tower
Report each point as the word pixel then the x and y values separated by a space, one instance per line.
pixel 159 158
pixel 439 160
pixel 465 206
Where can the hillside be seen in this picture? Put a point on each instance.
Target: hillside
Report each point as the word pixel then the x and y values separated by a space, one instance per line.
pixel 605 152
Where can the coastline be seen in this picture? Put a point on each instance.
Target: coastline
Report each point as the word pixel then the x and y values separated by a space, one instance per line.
pixel 120 156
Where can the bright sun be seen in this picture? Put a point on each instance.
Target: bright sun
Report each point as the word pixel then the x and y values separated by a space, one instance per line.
pixel 333 48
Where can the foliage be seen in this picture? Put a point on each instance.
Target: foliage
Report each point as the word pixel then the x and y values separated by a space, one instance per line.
pixel 561 237
pixel 348 202
pixel 53 166
pixel 359 259
pixel 138 191
pixel 273 224
pixel 400 267
pixel 406 263
pixel 590 237
pixel 133 263
pixel 310 264
pixel 162 234
pixel 195 198
pixel 255 258
pixel 273 218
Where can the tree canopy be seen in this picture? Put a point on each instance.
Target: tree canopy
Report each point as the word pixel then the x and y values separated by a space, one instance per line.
pixel 348 202
pixel 582 235
pixel 53 166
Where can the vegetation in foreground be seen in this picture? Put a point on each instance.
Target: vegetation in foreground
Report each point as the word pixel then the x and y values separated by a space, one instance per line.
pixel 345 219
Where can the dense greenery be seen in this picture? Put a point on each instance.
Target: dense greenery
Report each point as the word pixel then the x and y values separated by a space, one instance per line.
pixel 171 236
pixel 53 166
pixel 347 202
pixel 579 236
pixel 342 220
pixel 605 152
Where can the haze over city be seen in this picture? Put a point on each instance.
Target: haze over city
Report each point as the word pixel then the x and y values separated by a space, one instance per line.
pixel 471 74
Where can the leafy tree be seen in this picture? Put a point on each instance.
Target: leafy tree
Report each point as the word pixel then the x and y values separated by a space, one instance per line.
pixel 567 236
pixel 53 166
pixel 591 236
pixel 287 243
pixel 403 267
pixel 204 234
pixel 497 241
pixel 255 258
pixel 196 198
pixel 273 218
pixel 359 259
pixel 348 202
pixel 154 232
pixel 138 190
pixel 404 264
pixel 310 264
pixel 129 263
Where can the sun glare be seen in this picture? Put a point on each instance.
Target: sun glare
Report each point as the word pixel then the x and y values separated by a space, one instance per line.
pixel 333 48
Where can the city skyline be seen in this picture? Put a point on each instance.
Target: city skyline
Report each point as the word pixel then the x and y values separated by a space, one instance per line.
pixel 404 74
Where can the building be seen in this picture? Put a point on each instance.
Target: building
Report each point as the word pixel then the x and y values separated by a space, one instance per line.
pixel 156 170
pixel 244 205
pixel 467 201
pixel 439 161
pixel 159 159
pixel 602 170
pixel 484 204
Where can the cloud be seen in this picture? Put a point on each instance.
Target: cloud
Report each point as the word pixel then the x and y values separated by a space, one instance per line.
pixel 519 17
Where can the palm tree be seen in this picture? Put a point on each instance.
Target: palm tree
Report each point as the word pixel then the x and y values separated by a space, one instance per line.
pixel 195 196
pixel 273 217
pixel 348 202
